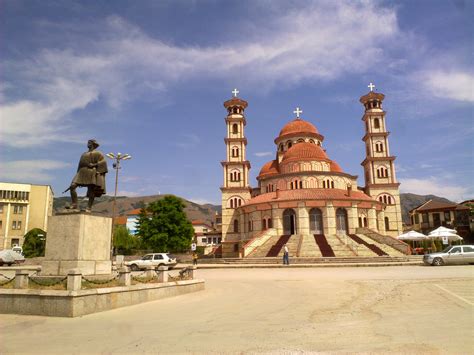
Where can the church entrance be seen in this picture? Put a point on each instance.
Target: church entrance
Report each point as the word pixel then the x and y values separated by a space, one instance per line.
pixel 289 222
pixel 316 221
pixel 341 221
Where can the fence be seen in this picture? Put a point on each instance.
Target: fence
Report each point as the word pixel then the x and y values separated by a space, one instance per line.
pixel 75 280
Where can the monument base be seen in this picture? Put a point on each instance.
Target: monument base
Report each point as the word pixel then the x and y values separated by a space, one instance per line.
pixel 78 240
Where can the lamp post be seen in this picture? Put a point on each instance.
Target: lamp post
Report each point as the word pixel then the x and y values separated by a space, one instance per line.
pixel 117 158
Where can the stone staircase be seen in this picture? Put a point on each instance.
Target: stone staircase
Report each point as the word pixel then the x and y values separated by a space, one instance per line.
pixel 292 244
pixel 263 250
pixel 338 246
pixel 386 248
pixel 309 248
pixel 364 248
pixel 277 248
pixel 323 245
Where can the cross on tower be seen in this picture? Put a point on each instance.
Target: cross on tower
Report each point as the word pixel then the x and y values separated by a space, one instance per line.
pixel 371 87
pixel 235 92
pixel 298 111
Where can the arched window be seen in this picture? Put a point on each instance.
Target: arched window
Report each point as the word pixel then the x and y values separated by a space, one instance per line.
pixel 235 152
pixel 376 123
pixel 269 223
pixel 332 184
pixel 235 202
pixel 301 140
pixel 288 144
pixel 235 128
pixel 387 199
pixel 387 224
pixel 311 141
pixel 382 172
pixel 236 226
pixel 235 175
pixel 234 110
pixel 281 147
pixel 379 147
pixel 264 224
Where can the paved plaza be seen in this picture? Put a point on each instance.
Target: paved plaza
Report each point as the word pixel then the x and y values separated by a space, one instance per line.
pixel 406 309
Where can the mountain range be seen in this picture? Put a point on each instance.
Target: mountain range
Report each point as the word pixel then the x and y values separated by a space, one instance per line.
pixel 206 212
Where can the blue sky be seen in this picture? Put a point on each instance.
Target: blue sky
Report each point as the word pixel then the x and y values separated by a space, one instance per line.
pixel 149 78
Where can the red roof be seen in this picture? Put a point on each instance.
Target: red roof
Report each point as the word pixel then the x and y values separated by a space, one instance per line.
pixel 298 126
pixel 270 168
pixel 335 167
pixel 304 151
pixel 309 194
pixel 134 212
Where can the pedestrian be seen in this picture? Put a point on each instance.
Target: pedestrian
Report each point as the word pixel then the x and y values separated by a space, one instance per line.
pixel 195 258
pixel 286 258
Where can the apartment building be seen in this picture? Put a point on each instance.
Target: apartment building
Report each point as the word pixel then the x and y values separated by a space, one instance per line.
pixel 22 208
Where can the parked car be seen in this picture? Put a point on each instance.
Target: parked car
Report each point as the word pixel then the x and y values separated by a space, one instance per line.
pixel 10 257
pixel 155 259
pixel 454 254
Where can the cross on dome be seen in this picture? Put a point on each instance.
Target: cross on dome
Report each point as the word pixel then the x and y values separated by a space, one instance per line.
pixel 298 111
pixel 235 92
pixel 371 87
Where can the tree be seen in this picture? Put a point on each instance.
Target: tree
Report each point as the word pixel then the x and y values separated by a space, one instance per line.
pixel 34 243
pixel 124 242
pixel 164 227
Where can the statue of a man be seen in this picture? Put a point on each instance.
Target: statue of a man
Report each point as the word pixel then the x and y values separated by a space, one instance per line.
pixel 91 174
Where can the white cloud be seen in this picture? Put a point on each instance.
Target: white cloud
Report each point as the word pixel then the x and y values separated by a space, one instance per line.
pixel 263 154
pixel 31 171
pixel 455 85
pixel 318 42
pixel 435 186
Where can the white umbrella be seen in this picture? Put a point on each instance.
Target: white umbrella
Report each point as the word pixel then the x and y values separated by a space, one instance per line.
pixel 444 229
pixel 436 234
pixel 412 235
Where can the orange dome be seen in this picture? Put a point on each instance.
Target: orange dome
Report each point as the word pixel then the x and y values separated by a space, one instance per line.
pixel 269 168
pixel 304 151
pixel 298 126
pixel 335 167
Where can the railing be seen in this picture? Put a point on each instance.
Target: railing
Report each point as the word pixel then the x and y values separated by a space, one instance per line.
pixel 385 239
pixel 257 241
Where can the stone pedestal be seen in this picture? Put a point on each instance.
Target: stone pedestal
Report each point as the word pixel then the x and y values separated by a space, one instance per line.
pixel 78 241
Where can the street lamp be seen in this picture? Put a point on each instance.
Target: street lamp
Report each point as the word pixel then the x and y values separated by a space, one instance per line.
pixel 116 165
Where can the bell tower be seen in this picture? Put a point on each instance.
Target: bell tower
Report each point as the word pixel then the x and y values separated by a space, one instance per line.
pixel 379 169
pixel 236 189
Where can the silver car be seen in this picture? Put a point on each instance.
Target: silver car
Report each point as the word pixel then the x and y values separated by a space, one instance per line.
pixel 454 254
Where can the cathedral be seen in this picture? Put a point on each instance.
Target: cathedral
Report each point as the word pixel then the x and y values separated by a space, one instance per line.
pixel 303 197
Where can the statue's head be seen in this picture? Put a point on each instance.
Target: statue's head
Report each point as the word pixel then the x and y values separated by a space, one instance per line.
pixel 92 143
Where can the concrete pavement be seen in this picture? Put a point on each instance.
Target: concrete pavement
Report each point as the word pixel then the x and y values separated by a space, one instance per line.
pixel 409 309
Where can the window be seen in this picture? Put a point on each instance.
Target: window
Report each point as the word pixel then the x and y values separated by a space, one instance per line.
pixel 235 175
pixel 1 224
pixel 235 202
pixel 148 257
pixel 379 147
pixel 15 242
pixel 264 224
pixel 250 225
pixel 424 218
pixel 17 209
pixel 455 250
pixel 1 208
pixel 382 172
pixel 468 249
pixel 387 224
pixel 376 123
pixel 269 223
pixel 235 128
pixel 236 226
pixel 417 218
pixel 14 225
pixel 281 147
pixel 158 257
pixel 387 199
pixel 328 184
pixel 289 144
pixel 311 141
pixel 235 152
pixel 301 140
pixel 447 216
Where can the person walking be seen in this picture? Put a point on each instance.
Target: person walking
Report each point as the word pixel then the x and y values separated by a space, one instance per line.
pixel 286 257
pixel 195 258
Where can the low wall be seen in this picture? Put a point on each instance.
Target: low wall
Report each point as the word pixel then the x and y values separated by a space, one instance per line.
pixel 78 303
